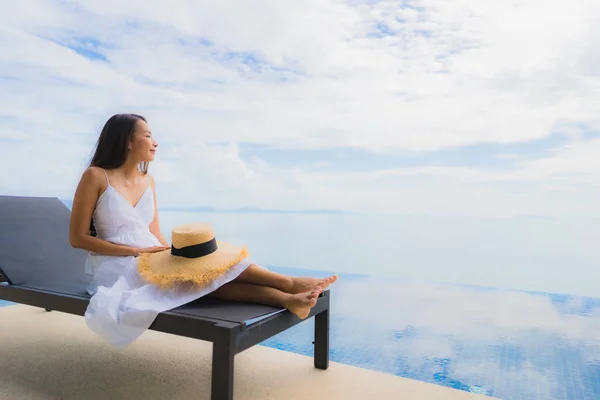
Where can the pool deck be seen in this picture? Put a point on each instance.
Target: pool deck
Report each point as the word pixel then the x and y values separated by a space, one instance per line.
pixel 54 356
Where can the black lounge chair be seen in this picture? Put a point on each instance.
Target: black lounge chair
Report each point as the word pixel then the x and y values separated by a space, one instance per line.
pixel 41 269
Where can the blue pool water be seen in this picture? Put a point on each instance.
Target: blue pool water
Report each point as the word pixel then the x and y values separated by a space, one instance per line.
pixel 509 344
pixel 514 345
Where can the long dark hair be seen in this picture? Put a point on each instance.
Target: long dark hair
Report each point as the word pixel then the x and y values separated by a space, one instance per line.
pixel 111 148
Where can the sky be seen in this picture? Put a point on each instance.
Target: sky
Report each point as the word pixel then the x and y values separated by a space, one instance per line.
pixel 469 107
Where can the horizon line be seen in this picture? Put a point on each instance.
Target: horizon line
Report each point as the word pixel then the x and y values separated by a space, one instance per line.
pixel 254 210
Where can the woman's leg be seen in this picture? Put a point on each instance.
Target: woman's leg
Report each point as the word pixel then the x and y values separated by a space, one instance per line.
pixel 261 276
pixel 299 304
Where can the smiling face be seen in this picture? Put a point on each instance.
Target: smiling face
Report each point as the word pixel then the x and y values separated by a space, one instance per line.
pixel 142 146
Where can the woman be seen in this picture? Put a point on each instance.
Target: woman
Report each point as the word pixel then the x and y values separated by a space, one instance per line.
pixel 114 217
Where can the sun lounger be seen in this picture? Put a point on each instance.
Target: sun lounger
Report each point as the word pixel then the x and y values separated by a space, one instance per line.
pixel 41 269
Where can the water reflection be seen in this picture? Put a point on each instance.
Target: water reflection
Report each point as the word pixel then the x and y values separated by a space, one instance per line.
pixel 509 344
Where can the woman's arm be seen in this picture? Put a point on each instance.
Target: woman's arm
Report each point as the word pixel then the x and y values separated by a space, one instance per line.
pixel 81 214
pixel 155 224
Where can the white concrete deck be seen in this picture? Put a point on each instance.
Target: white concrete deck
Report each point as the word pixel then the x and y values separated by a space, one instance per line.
pixel 54 356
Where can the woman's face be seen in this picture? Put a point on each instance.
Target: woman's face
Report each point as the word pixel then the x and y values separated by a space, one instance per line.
pixel 142 146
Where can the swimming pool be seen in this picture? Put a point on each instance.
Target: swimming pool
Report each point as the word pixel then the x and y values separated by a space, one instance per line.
pixel 515 345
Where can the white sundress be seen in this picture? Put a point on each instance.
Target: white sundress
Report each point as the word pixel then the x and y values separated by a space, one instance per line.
pixel 123 305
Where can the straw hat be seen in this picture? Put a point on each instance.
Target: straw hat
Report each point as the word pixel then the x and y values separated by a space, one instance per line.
pixel 195 257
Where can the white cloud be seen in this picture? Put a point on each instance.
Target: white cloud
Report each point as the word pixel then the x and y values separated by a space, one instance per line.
pixel 441 74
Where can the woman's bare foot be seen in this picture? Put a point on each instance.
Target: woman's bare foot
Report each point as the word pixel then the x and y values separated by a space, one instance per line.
pixel 303 285
pixel 300 304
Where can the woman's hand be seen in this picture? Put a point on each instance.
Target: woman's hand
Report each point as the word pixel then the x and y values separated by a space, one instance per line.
pixel 136 252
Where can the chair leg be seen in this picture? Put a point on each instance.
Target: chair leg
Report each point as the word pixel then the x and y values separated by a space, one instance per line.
pixel 322 339
pixel 222 370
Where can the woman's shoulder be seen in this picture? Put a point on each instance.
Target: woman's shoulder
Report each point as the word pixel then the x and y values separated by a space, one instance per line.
pixel 93 173
pixel 94 177
pixel 150 179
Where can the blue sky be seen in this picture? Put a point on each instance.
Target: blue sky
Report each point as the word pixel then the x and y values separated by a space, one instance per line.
pixel 87 47
pixel 425 107
pixel 489 156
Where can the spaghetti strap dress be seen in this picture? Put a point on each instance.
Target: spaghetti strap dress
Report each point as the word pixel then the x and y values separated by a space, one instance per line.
pixel 122 305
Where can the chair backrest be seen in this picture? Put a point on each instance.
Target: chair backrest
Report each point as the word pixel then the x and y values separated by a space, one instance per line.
pixel 34 245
